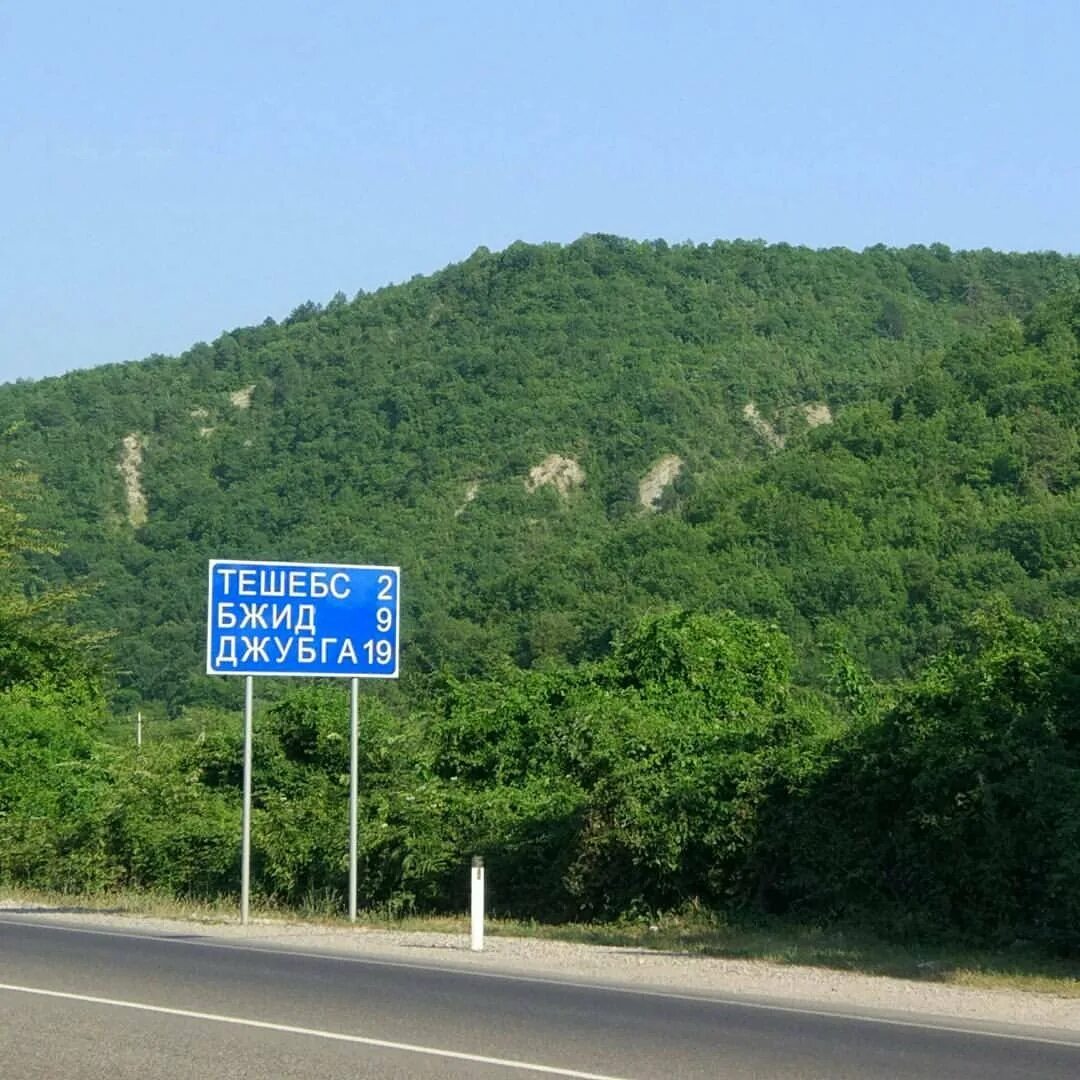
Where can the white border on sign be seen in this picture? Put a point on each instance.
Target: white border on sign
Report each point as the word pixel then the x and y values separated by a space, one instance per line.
pixel 211 670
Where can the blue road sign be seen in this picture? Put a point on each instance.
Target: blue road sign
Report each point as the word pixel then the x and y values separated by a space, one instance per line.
pixel 276 618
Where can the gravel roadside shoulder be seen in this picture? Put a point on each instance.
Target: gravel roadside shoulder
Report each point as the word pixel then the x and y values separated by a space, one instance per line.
pixel 644 969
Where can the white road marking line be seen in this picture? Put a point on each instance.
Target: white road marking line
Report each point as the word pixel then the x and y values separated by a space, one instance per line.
pixel 289 1029
pixel 702 998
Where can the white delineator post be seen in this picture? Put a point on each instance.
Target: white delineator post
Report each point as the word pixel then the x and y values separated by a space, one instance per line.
pixel 477 943
pixel 245 846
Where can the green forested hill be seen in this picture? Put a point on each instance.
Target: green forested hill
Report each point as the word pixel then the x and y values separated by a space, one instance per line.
pixel 738 578
pixel 869 445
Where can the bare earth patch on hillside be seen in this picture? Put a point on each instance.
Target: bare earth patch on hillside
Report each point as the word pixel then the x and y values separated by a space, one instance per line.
pixel 815 413
pixel 130 469
pixel 471 491
pixel 561 473
pixel 762 426
pixel 242 398
pixel 658 479
pixel 199 413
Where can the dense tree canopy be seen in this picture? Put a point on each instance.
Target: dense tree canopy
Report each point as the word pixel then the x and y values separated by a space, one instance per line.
pixel 402 426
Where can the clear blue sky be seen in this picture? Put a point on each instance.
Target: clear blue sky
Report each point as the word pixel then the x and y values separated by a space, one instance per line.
pixel 168 171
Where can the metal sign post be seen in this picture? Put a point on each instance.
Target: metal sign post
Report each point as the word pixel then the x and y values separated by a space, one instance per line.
pixel 302 619
pixel 245 843
pixel 354 772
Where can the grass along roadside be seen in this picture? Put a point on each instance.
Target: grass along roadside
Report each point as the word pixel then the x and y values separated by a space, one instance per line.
pixel 1018 967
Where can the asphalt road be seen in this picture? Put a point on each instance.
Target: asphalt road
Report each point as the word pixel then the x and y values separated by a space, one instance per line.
pixel 78 1003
